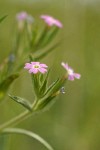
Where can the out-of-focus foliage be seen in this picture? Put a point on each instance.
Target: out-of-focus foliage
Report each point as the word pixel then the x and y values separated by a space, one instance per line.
pixel 73 122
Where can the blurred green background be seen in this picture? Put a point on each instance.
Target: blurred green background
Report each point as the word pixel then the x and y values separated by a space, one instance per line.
pixel 73 123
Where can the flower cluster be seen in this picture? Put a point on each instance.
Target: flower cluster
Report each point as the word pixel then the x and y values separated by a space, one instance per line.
pixel 35 67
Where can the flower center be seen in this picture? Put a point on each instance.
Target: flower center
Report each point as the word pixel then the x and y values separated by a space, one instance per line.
pixel 70 71
pixel 36 66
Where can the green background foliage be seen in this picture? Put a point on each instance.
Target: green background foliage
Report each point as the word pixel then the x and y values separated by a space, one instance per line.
pixel 73 123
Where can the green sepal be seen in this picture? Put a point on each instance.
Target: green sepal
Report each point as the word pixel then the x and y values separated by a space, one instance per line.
pixel 2 18
pixel 21 101
pixel 36 83
pixel 44 83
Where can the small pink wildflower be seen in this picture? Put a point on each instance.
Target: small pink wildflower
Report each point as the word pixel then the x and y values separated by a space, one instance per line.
pixel 21 16
pixel 51 21
pixel 24 16
pixel 35 67
pixel 71 74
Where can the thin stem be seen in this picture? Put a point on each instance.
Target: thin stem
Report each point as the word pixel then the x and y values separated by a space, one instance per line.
pixel 29 134
pixel 24 115
pixel 15 120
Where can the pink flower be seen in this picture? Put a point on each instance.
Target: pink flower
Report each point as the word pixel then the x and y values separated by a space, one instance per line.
pixel 21 16
pixel 51 21
pixel 71 74
pixel 35 67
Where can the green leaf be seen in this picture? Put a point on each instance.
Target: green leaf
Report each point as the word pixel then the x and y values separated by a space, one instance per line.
pixel 51 93
pixel 6 83
pixel 56 86
pixel 51 86
pixel 30 134
pixel 2 18
pixel 21 101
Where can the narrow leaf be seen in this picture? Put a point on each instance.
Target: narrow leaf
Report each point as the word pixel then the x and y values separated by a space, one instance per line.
pixel 51 93
pixel 2 18
pixel 56 86
pixel 4 85
pixel 51 86
pixel 21 101
pixel 28 133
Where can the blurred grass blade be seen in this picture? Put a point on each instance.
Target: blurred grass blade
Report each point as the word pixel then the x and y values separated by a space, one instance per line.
pixel 41 38
pixel 46 52
pixel 6 83
pixel 2 18
pixel 21 101
pixel 28 133
pixel 3 142
pixel 50 36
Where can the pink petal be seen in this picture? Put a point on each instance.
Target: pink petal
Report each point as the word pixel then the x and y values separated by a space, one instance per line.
pixel 77 75
pixel 65 65
pixel 43 65
pixel 51 21
pixel 34 70
pixel 35 63
pixel 44 16
pixel 58 23
pixel 42 70
pixel 27 66
pixel 71 77
pixel 21 16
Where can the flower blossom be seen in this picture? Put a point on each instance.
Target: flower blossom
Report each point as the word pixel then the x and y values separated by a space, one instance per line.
pixel 70 71
pixel 51 21
pixel 24 16
pixel 21 16
pixel 35 67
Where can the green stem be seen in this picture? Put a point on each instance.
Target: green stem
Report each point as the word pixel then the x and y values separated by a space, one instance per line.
pixel 15 120
pixel 29 134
